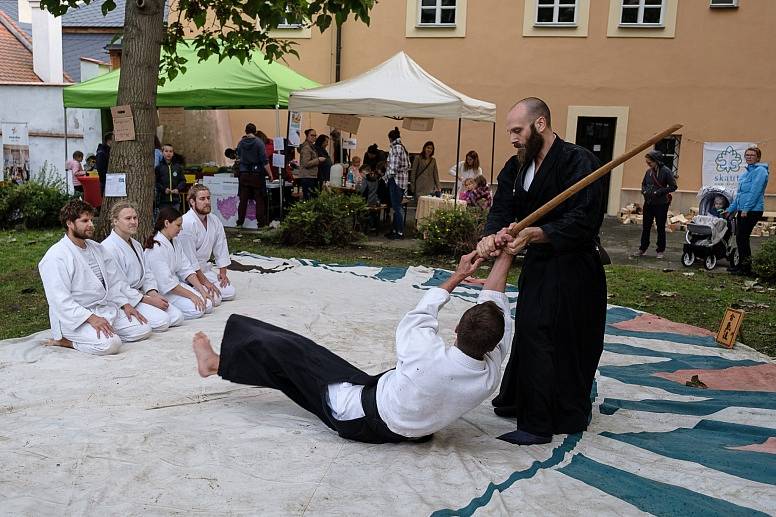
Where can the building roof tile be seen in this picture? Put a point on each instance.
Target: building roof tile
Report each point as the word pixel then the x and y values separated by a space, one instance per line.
pixel 16 52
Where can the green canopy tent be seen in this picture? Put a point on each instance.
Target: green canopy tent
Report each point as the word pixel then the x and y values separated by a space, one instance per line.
pixel 209 84
pixel 254 84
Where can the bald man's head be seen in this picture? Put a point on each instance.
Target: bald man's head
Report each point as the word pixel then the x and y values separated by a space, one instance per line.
pixel 534 108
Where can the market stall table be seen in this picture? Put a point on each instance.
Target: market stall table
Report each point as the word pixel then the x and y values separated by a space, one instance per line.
pixel 427 205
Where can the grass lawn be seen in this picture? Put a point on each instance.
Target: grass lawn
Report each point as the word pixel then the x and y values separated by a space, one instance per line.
pixel 699 299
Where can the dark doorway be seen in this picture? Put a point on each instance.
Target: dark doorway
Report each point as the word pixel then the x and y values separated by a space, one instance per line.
pixel 597 135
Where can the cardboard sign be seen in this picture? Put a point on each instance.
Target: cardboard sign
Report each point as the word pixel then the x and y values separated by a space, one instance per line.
pixel 171 117
pixel 418 124
pixel 347 123
pixel 123 123
pixel 728 329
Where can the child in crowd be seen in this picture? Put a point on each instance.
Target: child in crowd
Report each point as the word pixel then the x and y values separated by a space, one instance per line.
pixel 91 163
pixel 370 189
pixel 481 197
pixel 354 176
pixel 468 188
pixel 76 170
pixel 720 204
pixel 170 180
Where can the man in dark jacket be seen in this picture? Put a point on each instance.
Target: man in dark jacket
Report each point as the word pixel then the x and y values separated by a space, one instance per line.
pixel 254 169
pixel 561 310
pixel 102 157
pixel 170 180
pixel 656 187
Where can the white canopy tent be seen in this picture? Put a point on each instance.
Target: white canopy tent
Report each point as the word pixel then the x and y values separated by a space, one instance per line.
pixel 396 88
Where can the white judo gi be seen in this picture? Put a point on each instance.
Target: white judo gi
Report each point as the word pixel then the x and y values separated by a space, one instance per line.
pixel 170 265
pixel 203 243
pixel 74 292
pixel 139 278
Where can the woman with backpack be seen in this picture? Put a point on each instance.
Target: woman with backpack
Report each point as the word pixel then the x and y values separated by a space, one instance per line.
pixel 656 188
pixel 424 175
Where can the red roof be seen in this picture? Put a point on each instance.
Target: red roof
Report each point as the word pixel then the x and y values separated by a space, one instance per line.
pixel 16 53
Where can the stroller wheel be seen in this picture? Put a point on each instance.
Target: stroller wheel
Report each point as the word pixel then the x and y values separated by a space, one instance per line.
pixel 733 258
pixel 688 258
pixel 711 262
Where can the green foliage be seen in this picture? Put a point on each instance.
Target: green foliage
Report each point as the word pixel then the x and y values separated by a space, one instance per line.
pixel 228 28
pixel 325 220
pixel 764 261
pixel 34 204
pixel 453 230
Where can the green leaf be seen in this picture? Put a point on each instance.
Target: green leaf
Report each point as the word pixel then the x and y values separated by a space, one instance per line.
pixel 108 6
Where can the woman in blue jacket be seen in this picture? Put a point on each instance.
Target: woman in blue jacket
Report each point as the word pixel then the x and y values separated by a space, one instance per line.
pixel 748 206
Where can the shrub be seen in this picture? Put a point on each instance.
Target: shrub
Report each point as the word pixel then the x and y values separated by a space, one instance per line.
pixel 325 220
pixel 452 230
pixel 34 204
pixel 764 261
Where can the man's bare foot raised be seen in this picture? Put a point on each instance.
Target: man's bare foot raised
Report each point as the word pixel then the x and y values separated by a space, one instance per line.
pixel 207 359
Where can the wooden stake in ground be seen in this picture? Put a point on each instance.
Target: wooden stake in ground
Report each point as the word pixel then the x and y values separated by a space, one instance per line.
pixel 590 178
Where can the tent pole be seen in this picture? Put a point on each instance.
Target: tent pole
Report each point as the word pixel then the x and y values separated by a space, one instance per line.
pixel 280 170
pixel 66 158
pixel 457 161
pixel 492 152
pixel 67 176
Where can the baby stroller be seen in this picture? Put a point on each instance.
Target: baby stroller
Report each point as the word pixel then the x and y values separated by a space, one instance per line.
pixel 710 237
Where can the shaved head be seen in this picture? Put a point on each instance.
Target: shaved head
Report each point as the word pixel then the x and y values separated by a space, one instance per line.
pixel 535 108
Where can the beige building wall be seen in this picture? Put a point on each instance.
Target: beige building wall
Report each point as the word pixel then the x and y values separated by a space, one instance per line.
pixel 709 69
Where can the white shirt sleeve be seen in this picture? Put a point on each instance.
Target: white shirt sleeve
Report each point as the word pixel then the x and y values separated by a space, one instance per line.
pixel 157 261
pixel 220 246
pixel 417 331
pixel 187 258
pixel 503 302
pixel 458 167
pixel 57 285
pixel 119 291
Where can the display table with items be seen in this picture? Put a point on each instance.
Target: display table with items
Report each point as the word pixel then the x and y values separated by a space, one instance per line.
pixel 427 205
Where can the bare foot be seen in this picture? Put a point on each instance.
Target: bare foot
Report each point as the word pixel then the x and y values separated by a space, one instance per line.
pixel 207 359
pixel 63 342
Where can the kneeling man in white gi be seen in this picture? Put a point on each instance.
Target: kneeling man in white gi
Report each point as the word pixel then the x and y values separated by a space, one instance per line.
pixel 204 237
pixel 87 307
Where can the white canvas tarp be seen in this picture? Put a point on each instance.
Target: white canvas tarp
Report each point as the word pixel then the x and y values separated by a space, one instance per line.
pixel 140 433
pixel 396 88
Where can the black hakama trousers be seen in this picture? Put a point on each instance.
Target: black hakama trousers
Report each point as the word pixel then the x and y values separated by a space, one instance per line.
pixel 260 354
pixel 558 341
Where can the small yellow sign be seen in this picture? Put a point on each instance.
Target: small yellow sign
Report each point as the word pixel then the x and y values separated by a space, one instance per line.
pixel 728 329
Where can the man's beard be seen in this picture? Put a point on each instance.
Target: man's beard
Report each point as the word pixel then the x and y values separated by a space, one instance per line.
pixel 82 235
pixel 534 144
pixel 202 210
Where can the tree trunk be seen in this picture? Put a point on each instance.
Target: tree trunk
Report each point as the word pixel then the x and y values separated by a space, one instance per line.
pixel 141 45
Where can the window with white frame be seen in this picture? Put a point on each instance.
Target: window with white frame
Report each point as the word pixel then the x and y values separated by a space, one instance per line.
pixel 289 22
pixel 642 12
pixel 437 13
pixel 556 12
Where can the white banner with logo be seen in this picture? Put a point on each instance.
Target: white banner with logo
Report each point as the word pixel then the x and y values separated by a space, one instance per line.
pixel 723 162
pixel 16 152
pixel 224 200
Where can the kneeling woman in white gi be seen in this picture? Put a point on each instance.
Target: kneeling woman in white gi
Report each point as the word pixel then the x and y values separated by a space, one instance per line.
pixel 141 289
pixel 171 267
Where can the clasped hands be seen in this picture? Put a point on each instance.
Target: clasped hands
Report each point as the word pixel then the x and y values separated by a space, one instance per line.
pixel 503 241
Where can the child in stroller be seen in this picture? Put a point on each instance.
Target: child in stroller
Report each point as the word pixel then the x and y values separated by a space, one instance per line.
pixel 709 236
